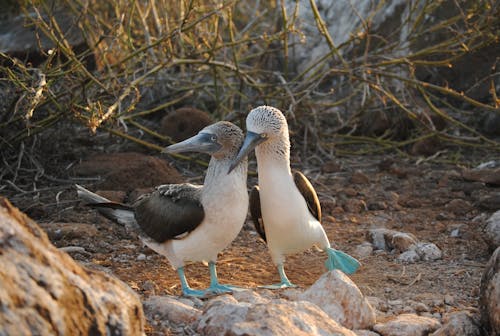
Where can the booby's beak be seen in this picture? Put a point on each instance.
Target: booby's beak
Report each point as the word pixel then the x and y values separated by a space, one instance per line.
pixel 201 142
pixel 251 141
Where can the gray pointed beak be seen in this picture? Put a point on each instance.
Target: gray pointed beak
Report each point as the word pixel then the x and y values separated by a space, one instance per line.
pixel 251 141
pixel 201 142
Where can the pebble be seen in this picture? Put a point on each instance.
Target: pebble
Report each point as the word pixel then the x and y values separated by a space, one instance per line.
pixel 358 177
pixel 141 257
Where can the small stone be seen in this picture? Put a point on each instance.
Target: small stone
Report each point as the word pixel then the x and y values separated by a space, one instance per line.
pixel 458 206
pixel 409 257
pixel 141 257
pixel 331 167
pixel 363 250
pixel 355 205
pixel 421 307
pixel 365 333
pixel 358 177
pixel 489 299
pixel 428 251
pixel 149 285
pixel 449 300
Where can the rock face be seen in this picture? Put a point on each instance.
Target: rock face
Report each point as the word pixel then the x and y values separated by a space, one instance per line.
pixel 226 316
pixel 45 292
pixel 489 301
pixel 341 299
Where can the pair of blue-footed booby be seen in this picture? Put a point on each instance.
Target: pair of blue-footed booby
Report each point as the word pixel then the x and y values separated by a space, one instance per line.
pixel 186 222
pixel 284 206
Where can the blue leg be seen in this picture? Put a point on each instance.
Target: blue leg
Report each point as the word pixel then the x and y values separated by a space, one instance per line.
pixel 215 286
pixel 285 283
pixel 340 260
pixel 186 290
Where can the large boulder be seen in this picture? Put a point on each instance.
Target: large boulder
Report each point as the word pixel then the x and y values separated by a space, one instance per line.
pixel 489 301
pixel 227 316
pixel 45 292
pixel 492 231
pixel 341 299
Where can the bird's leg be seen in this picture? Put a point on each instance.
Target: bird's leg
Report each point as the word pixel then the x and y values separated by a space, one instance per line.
pixel 186 290
pixel 285 283
pixel 340 260
pixel 215 286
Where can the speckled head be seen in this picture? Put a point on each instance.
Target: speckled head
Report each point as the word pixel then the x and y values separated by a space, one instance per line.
pixel 265 124
pixel 267 121
pixel 222 139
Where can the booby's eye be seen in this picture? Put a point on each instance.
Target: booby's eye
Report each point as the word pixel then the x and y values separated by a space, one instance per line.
pixel 213 138
pixel 263 135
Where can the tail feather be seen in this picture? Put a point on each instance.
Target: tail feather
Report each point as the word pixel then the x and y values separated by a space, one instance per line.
pixel 120 213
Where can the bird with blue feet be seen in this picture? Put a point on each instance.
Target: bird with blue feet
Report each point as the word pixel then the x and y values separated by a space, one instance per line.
pixel 186 222
pixel 284 206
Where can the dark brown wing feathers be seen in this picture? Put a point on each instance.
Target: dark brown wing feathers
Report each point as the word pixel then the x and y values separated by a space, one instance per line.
pixel 256 213
pixel 307 190
pixel 169 211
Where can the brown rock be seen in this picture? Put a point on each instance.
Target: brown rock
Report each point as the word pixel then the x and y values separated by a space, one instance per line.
pixel 490 176
pixel 407 325
pixel 489 299
pixel 45 292
pixel 331 167
pixel 68 231
pixel 128 171
pixel 458 206
pixel 184 122
pixel 358 177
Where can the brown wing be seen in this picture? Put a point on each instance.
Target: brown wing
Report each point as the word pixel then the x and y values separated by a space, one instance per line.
pixel 256 212
pixel 307 190
pixel 169 211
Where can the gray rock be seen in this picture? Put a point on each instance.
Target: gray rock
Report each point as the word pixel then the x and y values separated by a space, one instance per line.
pixel 428 251
pixel 407 325
pixel 341 299
pixel 45 292
pixel 409 257
pixel 492 230
pixel 459 323
pixel 489 299
pixel 363 250
pixel 277 317
pixel 385 239
pixel 169 308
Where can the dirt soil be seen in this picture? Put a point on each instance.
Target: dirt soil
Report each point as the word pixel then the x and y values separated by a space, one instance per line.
pixel 428 200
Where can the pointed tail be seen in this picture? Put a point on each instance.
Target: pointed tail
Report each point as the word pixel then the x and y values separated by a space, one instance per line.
pixel 342 261
pixel 120 213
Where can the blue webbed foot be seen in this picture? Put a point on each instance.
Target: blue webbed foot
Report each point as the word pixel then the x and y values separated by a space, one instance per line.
pixel 340 260
pixel 189 292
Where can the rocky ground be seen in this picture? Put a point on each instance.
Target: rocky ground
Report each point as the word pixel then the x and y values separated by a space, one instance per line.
pixel 418 228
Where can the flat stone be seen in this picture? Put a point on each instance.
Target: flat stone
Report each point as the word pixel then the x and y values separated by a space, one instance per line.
pixel 492 230
pixel 407 325
pixel 459 323
pixel 428 251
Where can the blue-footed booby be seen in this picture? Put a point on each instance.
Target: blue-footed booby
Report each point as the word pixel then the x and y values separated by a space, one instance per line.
pixel 284 206
pixel 186 222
